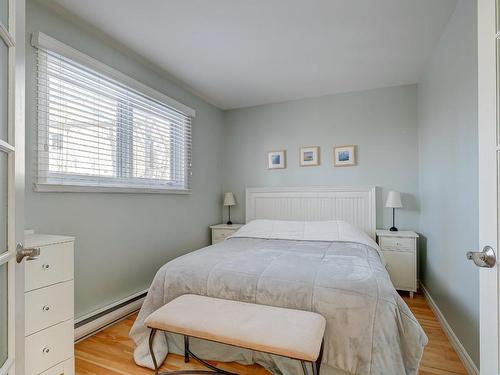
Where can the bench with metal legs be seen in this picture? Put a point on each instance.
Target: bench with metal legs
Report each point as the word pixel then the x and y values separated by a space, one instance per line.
pixel 289 333
pixel 213 369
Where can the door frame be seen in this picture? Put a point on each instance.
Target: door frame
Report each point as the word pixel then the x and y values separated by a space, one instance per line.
pixel 488 184
pixel 8 37
pixel 14 37
pixel 19 86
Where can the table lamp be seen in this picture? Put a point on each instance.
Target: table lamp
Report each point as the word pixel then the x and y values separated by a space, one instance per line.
pixel 228 202
pixel 393 201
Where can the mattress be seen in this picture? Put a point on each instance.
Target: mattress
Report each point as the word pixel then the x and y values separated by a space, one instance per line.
pixel 328 267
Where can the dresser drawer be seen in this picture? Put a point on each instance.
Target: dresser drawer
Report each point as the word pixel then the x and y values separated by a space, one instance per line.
pixel 397 244
pixel 48 306
pixel 219 235
pixel 64 368
pixel 54 265
pixel 49 347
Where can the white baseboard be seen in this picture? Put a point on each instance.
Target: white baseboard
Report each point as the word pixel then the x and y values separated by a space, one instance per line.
pixel 96 321
pixel 455 342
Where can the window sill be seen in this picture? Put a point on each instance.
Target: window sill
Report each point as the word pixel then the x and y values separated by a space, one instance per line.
pixel 50 188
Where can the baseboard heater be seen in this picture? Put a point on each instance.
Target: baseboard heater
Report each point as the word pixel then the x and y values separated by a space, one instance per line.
pixel 96 321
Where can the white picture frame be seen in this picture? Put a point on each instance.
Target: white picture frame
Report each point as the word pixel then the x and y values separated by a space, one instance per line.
pixel 344 156
pixel 276 159
pixel 309 156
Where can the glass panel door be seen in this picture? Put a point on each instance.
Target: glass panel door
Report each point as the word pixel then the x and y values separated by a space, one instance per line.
pixel 4 12
pixel 3 314
pixel 4 89
pixel 497 15
pixel 4 178
pixel 497 36
pixel 4 169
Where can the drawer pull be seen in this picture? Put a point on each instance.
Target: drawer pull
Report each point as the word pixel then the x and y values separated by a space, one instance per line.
pixel 46 350
pixel 46 266
pixel 46 308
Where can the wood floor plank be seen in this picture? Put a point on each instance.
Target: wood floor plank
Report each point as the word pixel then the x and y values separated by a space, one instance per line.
pixel 110 352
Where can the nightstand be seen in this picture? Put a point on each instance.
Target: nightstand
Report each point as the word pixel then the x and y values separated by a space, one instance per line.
pixel 400 252
pixel 221 231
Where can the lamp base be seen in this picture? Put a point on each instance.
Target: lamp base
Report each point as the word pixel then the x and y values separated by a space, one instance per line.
pixel 393 229
pixel 231 223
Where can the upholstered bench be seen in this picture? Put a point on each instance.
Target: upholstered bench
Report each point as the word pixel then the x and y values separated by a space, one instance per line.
pixel 289 333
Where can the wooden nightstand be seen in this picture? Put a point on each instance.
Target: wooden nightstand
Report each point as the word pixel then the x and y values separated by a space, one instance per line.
pixel 221 231
pixel 400 252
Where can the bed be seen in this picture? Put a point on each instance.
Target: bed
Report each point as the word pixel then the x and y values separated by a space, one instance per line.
pixel 302 248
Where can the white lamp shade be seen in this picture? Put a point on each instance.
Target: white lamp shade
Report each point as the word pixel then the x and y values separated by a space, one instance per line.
pixel 229 199
pixel 393 200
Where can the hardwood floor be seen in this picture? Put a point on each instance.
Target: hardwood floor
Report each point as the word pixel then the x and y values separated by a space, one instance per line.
pixel 439 356
pixel 110 352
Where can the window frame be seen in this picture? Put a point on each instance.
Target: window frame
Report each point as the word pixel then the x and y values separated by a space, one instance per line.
pixel 43 41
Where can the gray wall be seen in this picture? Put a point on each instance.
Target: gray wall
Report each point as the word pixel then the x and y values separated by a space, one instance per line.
pixel 382 122
pixel 448 151
pixel 122 239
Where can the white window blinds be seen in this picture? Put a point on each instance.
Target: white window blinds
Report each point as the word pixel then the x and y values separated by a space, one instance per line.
pixel 94 131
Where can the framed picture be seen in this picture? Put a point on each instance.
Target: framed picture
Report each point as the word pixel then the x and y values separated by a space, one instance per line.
pixel 344 156
pixel 276 159
pixel 309 156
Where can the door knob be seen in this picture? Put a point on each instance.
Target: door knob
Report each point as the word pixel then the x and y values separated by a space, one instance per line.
pixel 29 253
pixel 485 258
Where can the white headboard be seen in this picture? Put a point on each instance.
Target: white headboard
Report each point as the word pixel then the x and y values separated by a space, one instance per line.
pixel 352 204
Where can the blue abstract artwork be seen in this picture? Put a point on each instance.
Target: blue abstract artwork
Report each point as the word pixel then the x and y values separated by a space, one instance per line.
pixel 344 156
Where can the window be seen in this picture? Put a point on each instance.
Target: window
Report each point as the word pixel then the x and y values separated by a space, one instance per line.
pixel 95 131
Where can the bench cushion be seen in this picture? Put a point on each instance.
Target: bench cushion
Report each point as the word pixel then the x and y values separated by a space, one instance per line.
pixel 291 333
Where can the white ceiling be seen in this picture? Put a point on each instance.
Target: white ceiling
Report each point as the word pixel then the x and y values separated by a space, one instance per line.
pixel 240 53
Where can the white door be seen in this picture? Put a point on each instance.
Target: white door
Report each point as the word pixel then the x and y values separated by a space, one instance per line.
pixel 489 162
pixel 11 177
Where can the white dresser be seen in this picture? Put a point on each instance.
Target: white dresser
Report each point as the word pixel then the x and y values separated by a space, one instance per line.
pixel 49 306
